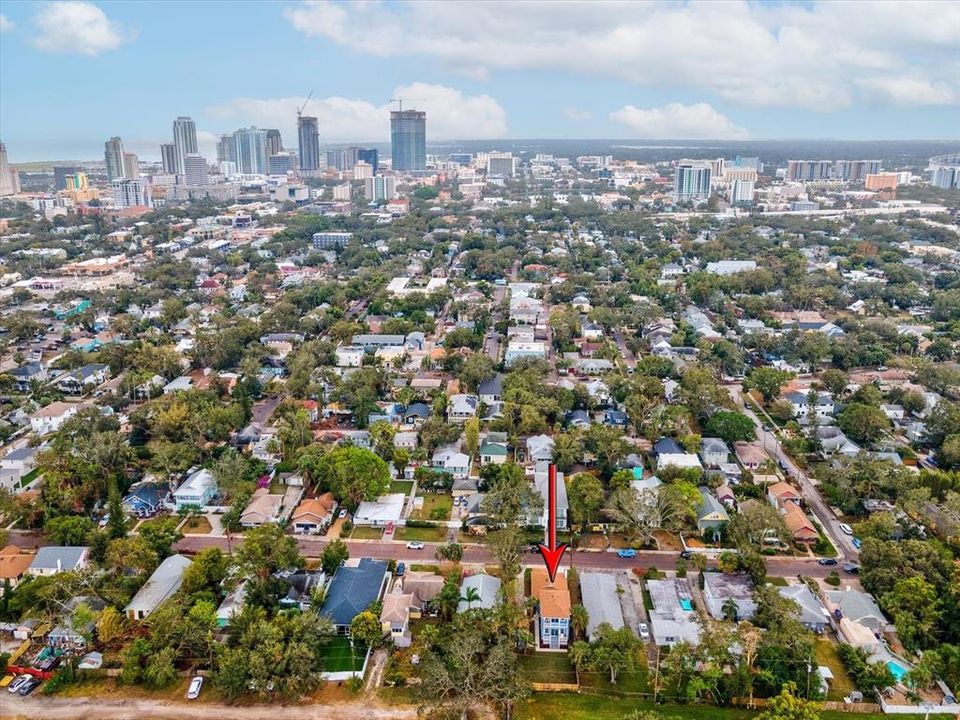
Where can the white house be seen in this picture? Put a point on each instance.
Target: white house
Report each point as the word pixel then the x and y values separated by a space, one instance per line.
pixel 385 509
pixel 539 448
pixel 462 407
pixel 452 461
pixel 56 559
pixel 349 356
pixel 197 490
pixel 50 418
pixel 679 460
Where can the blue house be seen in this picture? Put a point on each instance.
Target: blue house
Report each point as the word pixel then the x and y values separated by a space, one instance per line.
pixel 667 446
pixel 615 418
pixel 354 588
pixel 146 498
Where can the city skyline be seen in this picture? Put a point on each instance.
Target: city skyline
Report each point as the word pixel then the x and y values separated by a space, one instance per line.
pixel 480 73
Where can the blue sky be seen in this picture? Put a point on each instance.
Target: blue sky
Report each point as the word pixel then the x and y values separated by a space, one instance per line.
pixel 74 73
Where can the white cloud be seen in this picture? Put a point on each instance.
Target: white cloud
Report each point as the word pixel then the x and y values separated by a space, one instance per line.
pixel 910 90
pixel 6 24
pixel 781 54
pixel 574 113
pixel 76 27
pixel 450 115
pixel 677 121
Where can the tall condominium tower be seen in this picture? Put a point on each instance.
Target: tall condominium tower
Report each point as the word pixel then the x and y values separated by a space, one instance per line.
pixel 251 144
pixel 309 143
pixel 274 142
pixel 195 170
pixel 408 140
pixel 226 149
pixel 9 178
pixel 131 165
pixel 168 156
pixel 113 158
pixel 184 140
pixel 692 181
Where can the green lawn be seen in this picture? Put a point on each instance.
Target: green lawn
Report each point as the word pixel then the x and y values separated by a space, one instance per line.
pixel 336 655
pixel 431 502
pixel 29 477
pixel 826 653
pixel 543 667
pixel 401 486
pixel 427 534
pixel 364 532
pixel 778 581
pixel 570 706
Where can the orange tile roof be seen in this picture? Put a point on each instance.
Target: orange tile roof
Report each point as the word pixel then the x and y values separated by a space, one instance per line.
pixel 318 507
pixel 798 523
pixel 13 566
pixel 554 597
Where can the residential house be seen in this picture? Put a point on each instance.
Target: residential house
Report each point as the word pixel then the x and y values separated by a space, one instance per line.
pixel 721 590
pixel 725 495
pixel 541 483
pixel 517 350
pixel 858 607
pixel 19 462
pixel 27 374
pixel 263 507
pixel 354 588
pixel 782 493
pixel 750 455
pixel 451 460
pixel 461 408
pixel 552 617
pixel 714 452
pixel 822 408
pixel 313 515
pixel 493 452
pixel 424 586
pixel 406 440
pixel 395 617
pixel 616 418
pixel 50 418
pixel 685 461
pixel 198 490
pixel 598 592
pixel 801 528
pixel 14 566
pixel 593 366
pixel 232 605
pixel 813 615
pixel 539 448
pixel 162 584
pixel 416 414
pixel 491 390
pixel 487 588
pixel 667 446
pixel 54 559
pixel 77 382
pixel 834 442
pixel 672 618
pixel 179 384
pixel 349 356
pixel 377 513
pixel 146 499
pixel 711 514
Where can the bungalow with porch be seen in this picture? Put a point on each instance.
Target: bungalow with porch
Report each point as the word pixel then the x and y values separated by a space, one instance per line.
pixel 354 588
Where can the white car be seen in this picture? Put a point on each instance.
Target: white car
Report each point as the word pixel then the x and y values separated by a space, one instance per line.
pixel 644 631
pixel 846 529
pixel 415 545
pixel 17 683
pixel 193 692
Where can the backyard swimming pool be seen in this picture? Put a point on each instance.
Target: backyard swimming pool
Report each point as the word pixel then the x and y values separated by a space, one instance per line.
pixel 897 670
pixel 686 604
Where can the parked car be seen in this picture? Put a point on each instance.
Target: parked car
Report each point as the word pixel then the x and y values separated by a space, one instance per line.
pixel 686 554
pixel 415 545
pixel 846 529
pixel 342 513
pixel 193 692
pixel 644 631
pixel 827 561
pixel 28 686
pixel 851 568
pixel 17 683
pixel 401 569
pixel 857 542
pixel 627 553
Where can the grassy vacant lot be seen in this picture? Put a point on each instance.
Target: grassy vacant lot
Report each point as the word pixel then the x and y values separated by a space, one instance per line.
pixel 431 502
pixel 364 532
pixel 570 706
pixel 427 534
pixel 401 486
pixel 336 656
pixel 197 524
pixel 826 653
pixel 542 667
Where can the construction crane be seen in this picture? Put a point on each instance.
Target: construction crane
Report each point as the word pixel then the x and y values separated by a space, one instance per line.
pixel 302 107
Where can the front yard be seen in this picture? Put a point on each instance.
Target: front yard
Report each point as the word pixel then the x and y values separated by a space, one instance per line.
pixel 436 506
pixel 421 534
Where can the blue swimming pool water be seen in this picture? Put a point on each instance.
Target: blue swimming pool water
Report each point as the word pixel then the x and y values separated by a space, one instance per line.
pixel 897 670
pixel 686 604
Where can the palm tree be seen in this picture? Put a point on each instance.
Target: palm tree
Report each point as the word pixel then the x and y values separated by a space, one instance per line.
pixel 579 653
pixel 472 595
pixel 579 619
pixel 730 609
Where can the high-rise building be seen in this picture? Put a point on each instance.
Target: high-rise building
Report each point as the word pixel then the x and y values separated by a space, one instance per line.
pixel 381 188
pixel 692 181
pixel 113 158
pixel 226 149
pixel 129 192
pixel 168 156
pixel 9 178
pixel 308 138
pixel 809 170
pixel 855 170
pixel 195 170
pixel 362 170
pixel 184 140
pixel 741 191
pixel 251 144
pixel 282 163
pixel 408 140
pixel 503 164
pixel 60 173
pixel 880 181
pixel 370 156
pixel 274 142
pixel 131 165
pixel 76 181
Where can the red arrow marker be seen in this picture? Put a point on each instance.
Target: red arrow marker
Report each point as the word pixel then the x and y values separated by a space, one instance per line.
pixel 551 555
